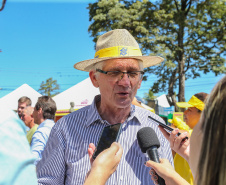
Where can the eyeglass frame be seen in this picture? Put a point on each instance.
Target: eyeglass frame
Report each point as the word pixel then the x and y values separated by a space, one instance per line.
pixel 128 73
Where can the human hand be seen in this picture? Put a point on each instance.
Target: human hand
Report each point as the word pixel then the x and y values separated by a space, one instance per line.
pixel 166 171
pixel 179 144
pixel 91 150
pixel 104 165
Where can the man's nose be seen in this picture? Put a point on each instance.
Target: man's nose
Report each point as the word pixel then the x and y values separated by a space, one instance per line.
pixel 124 80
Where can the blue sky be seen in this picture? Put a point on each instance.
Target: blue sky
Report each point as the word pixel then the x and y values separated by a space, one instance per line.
pixel 45 38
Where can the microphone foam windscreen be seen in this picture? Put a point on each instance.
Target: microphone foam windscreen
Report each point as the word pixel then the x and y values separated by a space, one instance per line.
pixel 147 138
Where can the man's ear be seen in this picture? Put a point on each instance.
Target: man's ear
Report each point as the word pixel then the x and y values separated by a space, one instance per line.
pixel 139 84
pixel 93 79
pixel 40 111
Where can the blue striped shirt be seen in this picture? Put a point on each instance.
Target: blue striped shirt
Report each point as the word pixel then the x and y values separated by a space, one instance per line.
pixel 39 139
pixel 65 159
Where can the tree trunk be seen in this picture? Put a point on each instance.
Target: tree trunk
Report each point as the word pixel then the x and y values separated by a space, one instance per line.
pixel 181 80
pixel 171 87
pixel 181 58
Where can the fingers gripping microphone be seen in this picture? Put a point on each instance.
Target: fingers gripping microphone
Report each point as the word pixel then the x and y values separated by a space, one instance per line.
pixel 149 143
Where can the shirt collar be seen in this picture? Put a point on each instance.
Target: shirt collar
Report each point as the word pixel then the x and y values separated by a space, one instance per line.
pixel 93 114
pixel 45 122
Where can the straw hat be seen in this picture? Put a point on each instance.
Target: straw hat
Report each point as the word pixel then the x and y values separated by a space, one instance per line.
pixel 117 43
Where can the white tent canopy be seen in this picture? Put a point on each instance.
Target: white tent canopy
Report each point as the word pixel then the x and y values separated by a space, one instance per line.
pixel 81 94
pixel 162 101
pixel 11 100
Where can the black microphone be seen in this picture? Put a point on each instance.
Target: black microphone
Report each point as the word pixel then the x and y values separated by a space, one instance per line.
pixel 149 143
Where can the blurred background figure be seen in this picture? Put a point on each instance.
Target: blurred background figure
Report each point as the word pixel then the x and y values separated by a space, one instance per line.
pixel 192 115
pixel 28 119
pixel 72 104
pixel 16 161
pixel 23 102
pixel 205 150
pixel 44 114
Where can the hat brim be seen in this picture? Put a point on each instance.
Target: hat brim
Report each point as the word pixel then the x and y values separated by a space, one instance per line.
pixel 184 104
pixel 148 61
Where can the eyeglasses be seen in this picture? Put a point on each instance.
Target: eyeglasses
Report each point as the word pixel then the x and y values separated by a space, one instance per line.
pixel 118 75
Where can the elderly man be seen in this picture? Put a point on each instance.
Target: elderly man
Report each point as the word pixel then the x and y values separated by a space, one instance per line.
pixel 44 115
pixel 117 71
pixel 23 102
pixel 28 119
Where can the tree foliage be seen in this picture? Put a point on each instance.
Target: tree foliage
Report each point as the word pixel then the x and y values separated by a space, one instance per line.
pixel 49 87
pixel 189 34
pixel 150 95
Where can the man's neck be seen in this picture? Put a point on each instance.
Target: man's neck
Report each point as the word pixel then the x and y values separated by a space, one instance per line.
pixel 32 124
pixel 40 121
pixel 113 116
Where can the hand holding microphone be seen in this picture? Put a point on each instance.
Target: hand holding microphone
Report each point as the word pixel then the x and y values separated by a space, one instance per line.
pixel 149 143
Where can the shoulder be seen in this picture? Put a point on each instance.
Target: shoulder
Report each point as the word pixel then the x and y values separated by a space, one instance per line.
pixel 73 119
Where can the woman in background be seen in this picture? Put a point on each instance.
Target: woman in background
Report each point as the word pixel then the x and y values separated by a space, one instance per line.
pixel 206 149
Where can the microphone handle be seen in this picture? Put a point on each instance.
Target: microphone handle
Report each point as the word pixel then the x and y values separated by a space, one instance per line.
pixel 153 155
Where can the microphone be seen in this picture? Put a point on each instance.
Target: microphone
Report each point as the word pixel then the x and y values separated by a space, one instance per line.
pixel 149 143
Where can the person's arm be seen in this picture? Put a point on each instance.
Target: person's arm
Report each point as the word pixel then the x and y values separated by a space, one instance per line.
pixel 166 171
pixel 37 146
pixel 16 161
pixel 177 143
pixel 104 165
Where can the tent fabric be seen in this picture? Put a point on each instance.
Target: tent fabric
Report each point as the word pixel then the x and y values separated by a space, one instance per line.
pixel 162 101
pixel 82 94
pixel 11 100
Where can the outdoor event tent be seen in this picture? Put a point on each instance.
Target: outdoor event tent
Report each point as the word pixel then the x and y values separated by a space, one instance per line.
pixel 81 94
pixel 162 101
pixel 11 100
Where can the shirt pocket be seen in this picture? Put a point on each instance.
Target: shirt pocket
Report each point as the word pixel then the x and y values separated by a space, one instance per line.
pixel 78 163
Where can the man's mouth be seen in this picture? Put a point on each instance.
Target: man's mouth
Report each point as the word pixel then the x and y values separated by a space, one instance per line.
pixel 123 93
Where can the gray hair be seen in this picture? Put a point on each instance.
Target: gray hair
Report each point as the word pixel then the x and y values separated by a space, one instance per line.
pixel 28 110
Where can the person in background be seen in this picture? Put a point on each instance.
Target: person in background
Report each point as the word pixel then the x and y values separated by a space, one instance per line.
pixel 192 115
pixel 194 107
pixel 205 150
pixel 44 114
pixel 23 102
pixel 28 119
pixel 117 70
pixel 72 104
pixel 16 162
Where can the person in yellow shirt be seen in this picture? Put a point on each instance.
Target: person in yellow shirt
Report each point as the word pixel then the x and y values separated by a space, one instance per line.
pixel 28 119
pixel 191 116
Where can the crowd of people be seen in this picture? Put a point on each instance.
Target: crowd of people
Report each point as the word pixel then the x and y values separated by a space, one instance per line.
pixel 61 152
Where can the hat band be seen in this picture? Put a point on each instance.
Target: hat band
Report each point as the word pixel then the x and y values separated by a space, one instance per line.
pixel 196 103
pixel 118 51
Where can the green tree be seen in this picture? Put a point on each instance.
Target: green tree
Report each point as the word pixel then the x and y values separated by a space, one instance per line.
pixel 49 87
pixel 189 34
pixel 150 95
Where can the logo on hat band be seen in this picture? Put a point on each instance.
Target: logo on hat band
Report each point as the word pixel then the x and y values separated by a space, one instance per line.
pixel 118 51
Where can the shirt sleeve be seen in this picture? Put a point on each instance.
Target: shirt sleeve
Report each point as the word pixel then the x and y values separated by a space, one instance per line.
pixel 51 168
pixel 16 161
pixel 38 143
